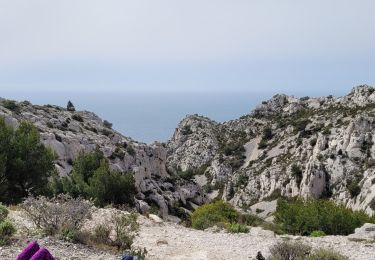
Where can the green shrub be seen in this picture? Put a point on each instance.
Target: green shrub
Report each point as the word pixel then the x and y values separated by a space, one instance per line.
pixel 190 173
pixel 242 180
pixel 106 132
pixel 237 228
pixel 130 150
pixel 11 105
pixel 25 163
pixel 289 251
pixel 126 229
pixel 372 203
pixel 77 117
pixel 262 144
pixel 324 254
pixel 300 125
pixel 250 220
pixel 354 189
pixel 7 230
pixel 107 124
pixel 111 187
pixel 297 174
pixel 317 233
pixel 233 149
pixel 302 217
pixel 101 234
pixel 267 134
pixel 276 194
pixel 213 214
pixel 92 178
pixel 186 130
pixel 3 212
pixel 71 235
pixel 117 153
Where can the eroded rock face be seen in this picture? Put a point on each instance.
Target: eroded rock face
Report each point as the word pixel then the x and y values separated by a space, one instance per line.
pixel 69 133
pixel 309 147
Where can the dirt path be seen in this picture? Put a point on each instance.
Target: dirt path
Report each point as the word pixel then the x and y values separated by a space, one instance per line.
pixel 171 241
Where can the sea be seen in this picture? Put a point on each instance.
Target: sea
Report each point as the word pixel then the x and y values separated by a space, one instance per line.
pixel 147 117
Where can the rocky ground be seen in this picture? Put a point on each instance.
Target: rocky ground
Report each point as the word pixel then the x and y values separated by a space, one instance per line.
pixel 166 240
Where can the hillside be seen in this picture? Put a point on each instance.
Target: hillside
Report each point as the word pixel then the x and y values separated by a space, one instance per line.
pixel 69 132
pixel 287 146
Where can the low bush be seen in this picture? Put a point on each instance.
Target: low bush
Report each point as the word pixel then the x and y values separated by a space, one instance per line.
pixel 3 212
pixel 107 124
pixel 354 189
pixel 262 144
pixel 267 133
pixel 289 251
pixel 190 173
pixel 297 174
pixel 77 117
pixel 101 234
pixel 317 233
pixel 120 234
pixel 126 229
pixel 60 216
pixel 324 254
pixel 237 228
pixel 186 130
pixel 106 132
pixel 130 150
pixel 7 230
pixel 11 105
pixel 297 216
pixel 213 214
pixel 223 215
pixel 249 219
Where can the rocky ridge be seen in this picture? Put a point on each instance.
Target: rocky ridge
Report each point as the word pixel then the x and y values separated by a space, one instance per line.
pixel 69 132
pixel 287 146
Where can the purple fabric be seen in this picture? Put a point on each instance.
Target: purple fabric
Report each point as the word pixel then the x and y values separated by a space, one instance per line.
pixel 28 251
pixel 42 254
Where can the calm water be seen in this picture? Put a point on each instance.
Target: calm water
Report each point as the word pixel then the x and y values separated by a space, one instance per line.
pixel 148 117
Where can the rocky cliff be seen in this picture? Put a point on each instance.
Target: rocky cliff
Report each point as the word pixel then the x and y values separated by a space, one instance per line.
pixel 288 146
pixel 70 132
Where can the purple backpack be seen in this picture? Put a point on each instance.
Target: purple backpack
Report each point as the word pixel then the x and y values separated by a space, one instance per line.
pixel 33 252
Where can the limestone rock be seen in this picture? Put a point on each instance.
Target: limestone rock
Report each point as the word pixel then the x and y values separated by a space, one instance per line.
pixel 367 231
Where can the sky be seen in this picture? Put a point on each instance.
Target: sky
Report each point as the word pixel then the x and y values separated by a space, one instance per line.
pixel 296 47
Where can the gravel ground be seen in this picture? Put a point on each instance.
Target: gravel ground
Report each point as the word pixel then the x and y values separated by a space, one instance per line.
pixel 172 241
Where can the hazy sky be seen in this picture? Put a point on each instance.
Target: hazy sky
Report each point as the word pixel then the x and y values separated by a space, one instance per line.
pixel 289 46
